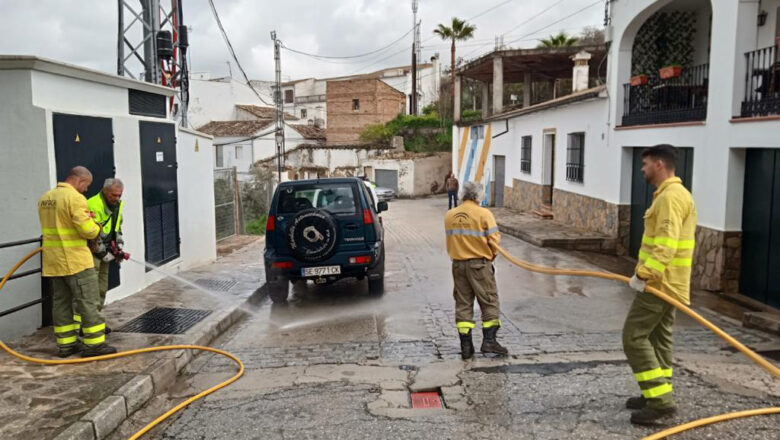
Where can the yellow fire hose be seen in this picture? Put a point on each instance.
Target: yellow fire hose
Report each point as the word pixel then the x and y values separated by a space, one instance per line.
pixel 525 265
pixel 701 320
pixel 171 411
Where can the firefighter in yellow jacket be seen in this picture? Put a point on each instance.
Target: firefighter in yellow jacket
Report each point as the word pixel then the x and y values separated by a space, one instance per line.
pixel 664 263
pixel 66 225
pixel 472 243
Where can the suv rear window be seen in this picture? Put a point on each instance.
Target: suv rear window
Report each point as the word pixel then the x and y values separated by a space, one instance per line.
pixel 334 198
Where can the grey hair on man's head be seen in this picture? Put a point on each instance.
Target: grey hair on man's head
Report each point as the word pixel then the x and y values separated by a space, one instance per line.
pixel 113 183
pixel 472 191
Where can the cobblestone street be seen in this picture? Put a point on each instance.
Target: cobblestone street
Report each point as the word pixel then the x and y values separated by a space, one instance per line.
pixel 336 363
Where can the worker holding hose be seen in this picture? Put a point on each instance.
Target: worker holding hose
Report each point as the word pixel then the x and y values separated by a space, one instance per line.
pixel 66 225
pixel 472 243
pixel 107 206
pixel 665 264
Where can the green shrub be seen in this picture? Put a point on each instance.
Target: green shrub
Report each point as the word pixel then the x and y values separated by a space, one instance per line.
pixel 378 133
pixel 471 114
pixel 257 227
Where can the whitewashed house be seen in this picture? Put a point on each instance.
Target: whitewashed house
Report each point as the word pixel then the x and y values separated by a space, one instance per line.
pixel 580 153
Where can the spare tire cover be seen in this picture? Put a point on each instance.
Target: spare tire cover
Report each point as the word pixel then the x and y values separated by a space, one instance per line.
pixel 312 235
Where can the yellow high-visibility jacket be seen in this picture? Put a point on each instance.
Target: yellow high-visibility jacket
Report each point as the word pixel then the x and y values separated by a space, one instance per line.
pixel 66 226
pixel 666 255
pixel 471 232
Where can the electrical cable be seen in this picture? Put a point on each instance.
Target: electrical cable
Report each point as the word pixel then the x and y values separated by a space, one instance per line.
pixel 233 53
pixel 597 2
pixel 316 56
pixel 122 354
pixel 753 356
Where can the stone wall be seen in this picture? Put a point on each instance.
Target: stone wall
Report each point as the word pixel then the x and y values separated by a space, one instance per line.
pixel 594 215
pixel 523 196
pixel 717 260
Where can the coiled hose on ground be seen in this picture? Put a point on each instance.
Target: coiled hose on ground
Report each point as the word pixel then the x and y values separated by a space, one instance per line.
pixel 168 413
pixel 520 263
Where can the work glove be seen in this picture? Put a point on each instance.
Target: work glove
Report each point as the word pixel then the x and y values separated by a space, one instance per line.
pixel 637 283
pixel 108 258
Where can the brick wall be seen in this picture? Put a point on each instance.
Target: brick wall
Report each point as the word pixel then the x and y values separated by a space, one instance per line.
pixel 379 103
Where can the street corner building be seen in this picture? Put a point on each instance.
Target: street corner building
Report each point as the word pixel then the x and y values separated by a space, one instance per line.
pixel 562 130
pixel 54 116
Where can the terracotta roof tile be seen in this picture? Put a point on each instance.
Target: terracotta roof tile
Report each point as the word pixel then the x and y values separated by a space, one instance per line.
pixel 265 112
pixel 309 131
pixel 235 128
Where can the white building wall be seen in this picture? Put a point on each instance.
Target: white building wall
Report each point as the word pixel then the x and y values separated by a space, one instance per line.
pixel 217 100
pixel 28 100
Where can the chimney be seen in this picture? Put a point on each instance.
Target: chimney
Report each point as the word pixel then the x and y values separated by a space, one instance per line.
pixel 580 73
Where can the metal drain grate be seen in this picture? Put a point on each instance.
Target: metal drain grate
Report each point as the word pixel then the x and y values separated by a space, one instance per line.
pixel 165 321
pixel 214 284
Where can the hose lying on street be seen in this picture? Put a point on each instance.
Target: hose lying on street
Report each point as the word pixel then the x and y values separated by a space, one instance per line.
pixel 171 411
pixel 755 357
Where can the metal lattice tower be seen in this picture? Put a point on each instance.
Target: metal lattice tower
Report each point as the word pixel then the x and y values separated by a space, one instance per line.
pixel 140 56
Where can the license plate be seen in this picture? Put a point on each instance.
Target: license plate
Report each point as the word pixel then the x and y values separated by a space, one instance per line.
pixel 320 271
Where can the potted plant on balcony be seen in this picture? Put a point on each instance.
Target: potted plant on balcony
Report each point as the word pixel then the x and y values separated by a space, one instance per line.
pixel 639 80
pixel 671 71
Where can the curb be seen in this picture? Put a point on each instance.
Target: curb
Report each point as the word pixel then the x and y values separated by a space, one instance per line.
pixel 109 413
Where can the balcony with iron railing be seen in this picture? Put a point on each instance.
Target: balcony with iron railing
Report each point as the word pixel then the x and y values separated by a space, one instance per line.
pixel 653 100
pixel 762 83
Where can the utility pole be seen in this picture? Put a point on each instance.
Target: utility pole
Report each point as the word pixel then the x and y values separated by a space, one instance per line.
pixel 415 55
pixel 279 106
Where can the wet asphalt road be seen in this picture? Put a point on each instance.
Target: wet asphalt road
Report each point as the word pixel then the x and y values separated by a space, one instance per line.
pixel 335 363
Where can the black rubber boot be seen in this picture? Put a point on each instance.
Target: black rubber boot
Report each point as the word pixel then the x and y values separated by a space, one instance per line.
pixel 70 350
pixel 490 344
pixel 652 416
pixel 98 350
pixel 107 330
pixel 636 402
pixel 466 346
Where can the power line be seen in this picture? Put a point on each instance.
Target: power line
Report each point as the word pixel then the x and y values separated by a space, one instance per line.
pixel 489 9
pixel 560 20
pixel 233 52
pixel 350 56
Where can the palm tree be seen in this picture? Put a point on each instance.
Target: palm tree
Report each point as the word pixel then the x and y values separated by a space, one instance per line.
pixel 458 31
pixel 560 40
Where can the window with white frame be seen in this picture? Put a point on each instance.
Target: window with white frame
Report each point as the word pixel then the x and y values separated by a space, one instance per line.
pixel 239 151
pixel 525 154
pixel 219 152
pixel 575 157
pixel 303 113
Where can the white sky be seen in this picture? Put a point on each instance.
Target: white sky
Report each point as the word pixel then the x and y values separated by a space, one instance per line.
pixel 84 32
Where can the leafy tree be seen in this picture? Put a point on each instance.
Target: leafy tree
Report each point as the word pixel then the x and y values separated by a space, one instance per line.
pixel 458 30
pixel 559 40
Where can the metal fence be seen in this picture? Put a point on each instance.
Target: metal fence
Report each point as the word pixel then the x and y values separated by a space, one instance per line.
pixel 241 201
pixel 762 83
pixel 225 202
pixel 659 101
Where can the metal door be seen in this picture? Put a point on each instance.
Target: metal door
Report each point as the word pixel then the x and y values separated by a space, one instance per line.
pixel 642 193
pixel 760 278
pixel 89 142
pixel 499 168
pixel 160 192
pixel 387 179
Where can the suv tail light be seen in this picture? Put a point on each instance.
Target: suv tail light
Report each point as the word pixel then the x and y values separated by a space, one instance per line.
pixel 368 217
pixel 270 224
pixel 363 259
pixel 282 265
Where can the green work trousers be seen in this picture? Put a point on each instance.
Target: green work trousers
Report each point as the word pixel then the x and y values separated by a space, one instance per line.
pixel 101 267
pixel 648 344
pixel 78 293
pixel 475 279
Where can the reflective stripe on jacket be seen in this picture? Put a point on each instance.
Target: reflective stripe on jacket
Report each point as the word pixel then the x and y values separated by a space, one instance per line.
pixel 66 227
pixel 472 232
pixel 666 255
pixel 97 204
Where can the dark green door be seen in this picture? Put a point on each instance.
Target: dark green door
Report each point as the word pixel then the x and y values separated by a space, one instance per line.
pixel 760 277
pixel 642 193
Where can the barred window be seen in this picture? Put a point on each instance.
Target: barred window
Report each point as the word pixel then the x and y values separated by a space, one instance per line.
pixel 575 157
pixel 478 132
pixel 525 154
pixel 288 97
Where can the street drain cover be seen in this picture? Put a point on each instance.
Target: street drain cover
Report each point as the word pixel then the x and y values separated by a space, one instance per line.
pixel 165 321
pixel 214 284
pixel 427 400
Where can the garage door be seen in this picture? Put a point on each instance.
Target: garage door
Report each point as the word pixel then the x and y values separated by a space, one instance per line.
pixel 387 179
pixel 642 193
pixel 760 278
